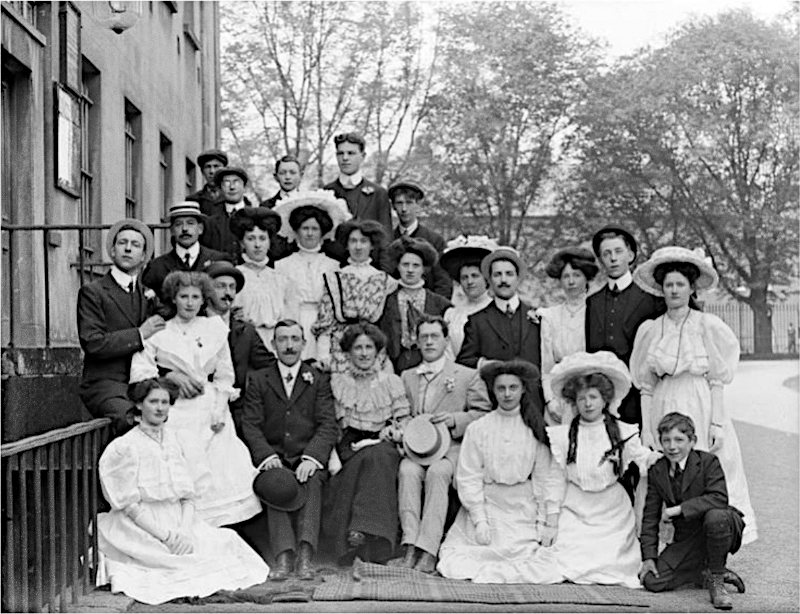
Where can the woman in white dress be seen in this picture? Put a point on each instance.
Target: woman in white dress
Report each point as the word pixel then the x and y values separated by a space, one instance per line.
pixel 563 326
pixel 462 261
pixel 307 219
pixel 194 349
pixel 152 545
pixel 263 298
pixel 509 488
pixel 596 540
pixel 682 360
pixel 356 293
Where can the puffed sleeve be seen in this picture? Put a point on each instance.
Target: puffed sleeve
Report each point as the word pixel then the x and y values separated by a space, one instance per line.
pixel 143 364
pixel 644 378
pixel 723 350
pixel 119 474
pixel 634 451
pixel 469 475
pixel 401 408
pixel 548 357
pixel 549 482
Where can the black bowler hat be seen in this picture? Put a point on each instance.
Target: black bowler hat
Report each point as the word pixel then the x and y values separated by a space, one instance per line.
pixel 617 230
pixel 221 268
pixel 279 489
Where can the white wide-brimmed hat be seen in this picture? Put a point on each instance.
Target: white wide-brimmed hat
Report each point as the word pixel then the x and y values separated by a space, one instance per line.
pixel 643 275
pixel 584 363
pixel 465 250
pixel 325 200
pixel 425 442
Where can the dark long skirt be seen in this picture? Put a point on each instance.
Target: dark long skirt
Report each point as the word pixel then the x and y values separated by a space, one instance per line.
pixel 363 497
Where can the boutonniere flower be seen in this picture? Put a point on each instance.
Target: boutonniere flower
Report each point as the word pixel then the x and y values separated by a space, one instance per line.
pixel 149 294
pixel 206 264
pixel 308 377
pixel 368 189
pixel 450 384
pixel 532 316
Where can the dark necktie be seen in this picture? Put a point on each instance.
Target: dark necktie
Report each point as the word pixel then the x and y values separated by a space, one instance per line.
pixel 187 260
pixel 132 294
pixel 677 482
pixel 509 311
pixel 614 290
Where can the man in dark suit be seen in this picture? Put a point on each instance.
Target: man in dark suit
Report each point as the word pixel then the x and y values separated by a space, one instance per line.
pixel 186 226
pixel 613 314
pixel 248 351
pixel 114 319
pixel 689 486
pixel 289 421
pixel 506 328
pixel 210 197
pixel 288 173
pixel 407 198
pixel 367 200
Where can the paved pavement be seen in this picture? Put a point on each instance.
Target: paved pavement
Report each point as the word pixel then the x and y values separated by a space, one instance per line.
pixel 764 402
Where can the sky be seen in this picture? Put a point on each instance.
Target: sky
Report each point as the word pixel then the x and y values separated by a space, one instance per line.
pixel 630 24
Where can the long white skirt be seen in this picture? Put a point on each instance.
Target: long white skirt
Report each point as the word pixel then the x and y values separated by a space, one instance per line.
pixel 512 518
pixel 220 463
pixel 690 395
pixel 137 564
pixel 596 542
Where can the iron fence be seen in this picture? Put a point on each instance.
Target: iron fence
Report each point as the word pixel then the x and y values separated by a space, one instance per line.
pixel 49 501
pixel 739 316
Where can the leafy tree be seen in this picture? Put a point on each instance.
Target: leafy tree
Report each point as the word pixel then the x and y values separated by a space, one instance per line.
pixel 696 144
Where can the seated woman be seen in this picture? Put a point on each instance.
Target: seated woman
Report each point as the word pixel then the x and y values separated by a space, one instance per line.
pixel 508 486
pixel 405 306
pixel 356 293
pixel 596 540
pixel 372 408
pixel 194 350
pixel 152 546
pixel 307 218
pixel 264 294
pixel 462 261
pixel 564 325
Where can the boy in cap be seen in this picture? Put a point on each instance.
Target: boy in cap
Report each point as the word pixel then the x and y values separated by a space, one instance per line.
pixel 210 197
pixel 114 319
pixel 406 198
pixel 187 254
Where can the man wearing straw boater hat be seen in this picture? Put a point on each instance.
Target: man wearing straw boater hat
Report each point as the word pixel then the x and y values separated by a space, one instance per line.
pixel 114 319
pixel 186 224
pixel 445 397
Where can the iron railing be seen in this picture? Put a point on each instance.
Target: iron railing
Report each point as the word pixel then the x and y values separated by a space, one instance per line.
pixel 89 263
pixel 50 497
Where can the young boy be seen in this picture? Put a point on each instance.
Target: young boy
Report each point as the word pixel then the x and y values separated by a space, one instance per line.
pixel 691 484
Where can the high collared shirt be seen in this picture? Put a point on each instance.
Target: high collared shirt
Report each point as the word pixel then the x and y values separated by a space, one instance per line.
pixel 282 194
pixel 123 279
pixel 289 376
pixel 350 181
pixel 431 368
pixel 408 231
pixel 428 371
pixel 503 304
pixel 681 464
pixel 621 283
pixel 193 251
pixel 231 207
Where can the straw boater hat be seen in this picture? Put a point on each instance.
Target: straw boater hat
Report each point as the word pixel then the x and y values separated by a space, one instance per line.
pixel 405 245
pixel 466 250
pixel 131 224
pixel 644 273
pixel 185 208
pixel 425 442
pixel 279 489
pixel 325 200
pixel 584 363
pixel 502 253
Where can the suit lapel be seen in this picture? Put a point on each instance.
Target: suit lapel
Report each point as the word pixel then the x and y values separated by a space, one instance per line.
pixel 497 320
pixel 439 389
pixel 275 381
pixel 121 298
pixel 300 384
pixel 692 468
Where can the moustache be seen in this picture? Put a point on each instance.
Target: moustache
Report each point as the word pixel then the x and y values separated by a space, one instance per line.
pixel 227 297
pixel 503 285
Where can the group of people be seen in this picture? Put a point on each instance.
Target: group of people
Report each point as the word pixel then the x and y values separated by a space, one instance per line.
pixel 301 373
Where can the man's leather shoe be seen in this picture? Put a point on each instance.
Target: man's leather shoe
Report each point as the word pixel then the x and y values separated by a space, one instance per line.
pixel 720 598
pixel 304 568
pixel 732 578
pixel 282 568
pixel 426 563
pixel 356 539
pixel 409 556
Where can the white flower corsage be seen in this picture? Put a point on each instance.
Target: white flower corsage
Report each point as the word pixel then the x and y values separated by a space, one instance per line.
pixel 308 377
pixel 149 294
pixel 367 189
pixel 450 384
pixel 532 316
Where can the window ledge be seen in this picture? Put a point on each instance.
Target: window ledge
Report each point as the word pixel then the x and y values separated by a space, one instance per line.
pixel 189 33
